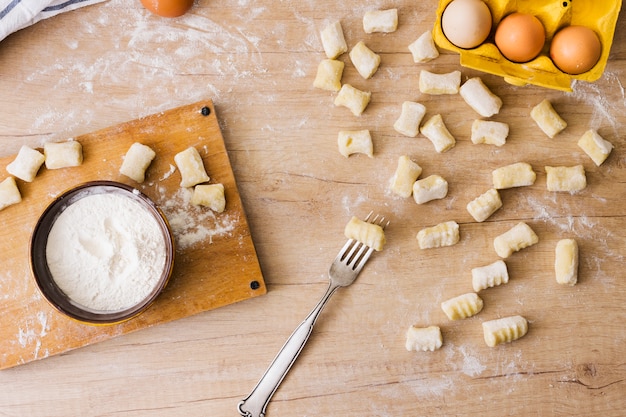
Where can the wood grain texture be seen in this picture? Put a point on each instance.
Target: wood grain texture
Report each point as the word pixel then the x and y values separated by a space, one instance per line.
pixel 106 64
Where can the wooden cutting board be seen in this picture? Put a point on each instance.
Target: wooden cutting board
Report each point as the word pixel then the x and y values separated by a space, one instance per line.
pixel 216 263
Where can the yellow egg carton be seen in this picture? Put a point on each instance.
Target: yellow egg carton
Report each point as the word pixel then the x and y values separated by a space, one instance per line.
pixel 600 16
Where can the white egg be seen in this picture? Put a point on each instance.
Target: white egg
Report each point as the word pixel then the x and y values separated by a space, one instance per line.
pixel 466 23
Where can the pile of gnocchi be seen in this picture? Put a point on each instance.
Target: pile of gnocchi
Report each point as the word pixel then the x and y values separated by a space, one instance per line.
pixel 136 161
pixel 406 180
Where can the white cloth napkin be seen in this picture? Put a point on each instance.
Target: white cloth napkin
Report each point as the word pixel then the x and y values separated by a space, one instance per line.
pixel 18 14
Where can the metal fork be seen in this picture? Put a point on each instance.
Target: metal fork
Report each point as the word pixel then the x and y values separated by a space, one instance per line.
pixel 343 271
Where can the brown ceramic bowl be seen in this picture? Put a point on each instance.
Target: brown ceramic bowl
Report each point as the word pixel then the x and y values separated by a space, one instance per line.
pixel 41 271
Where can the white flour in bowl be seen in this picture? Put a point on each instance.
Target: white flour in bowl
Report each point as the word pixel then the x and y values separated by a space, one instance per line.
pixel 106 252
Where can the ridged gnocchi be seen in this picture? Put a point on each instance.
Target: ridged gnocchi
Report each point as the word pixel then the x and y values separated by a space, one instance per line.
pixel 517 238
pixel 483 206
pixel 462 306
pixel 369 234
pixel 423 338
pixel 491 275
pixel 443 234
pixel 504 330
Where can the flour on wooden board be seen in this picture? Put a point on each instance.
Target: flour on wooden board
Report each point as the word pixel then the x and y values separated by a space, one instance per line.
pixel 191 224
pixel 31 333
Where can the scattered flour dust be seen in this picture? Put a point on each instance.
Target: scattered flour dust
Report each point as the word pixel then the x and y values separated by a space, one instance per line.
pixel 471 364
pixel 31 332
pixel 192 224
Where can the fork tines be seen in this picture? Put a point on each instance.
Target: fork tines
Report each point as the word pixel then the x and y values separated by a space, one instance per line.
pixel 378 219
pixel 355 253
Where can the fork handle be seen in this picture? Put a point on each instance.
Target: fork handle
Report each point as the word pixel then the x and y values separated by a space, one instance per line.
pixel 254 404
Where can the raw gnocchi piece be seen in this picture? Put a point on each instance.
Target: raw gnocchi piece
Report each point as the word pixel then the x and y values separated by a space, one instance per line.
pixel 9 193
pixel 333 41
pixel 385 21
pixel 517 238
pixel 355 141
pixel 519 174
pixel 567 179
pixel 483 206
pixel 63 154
pixel 478 96
pixel 364 60
pixel 369 234
pixel 136 161
pixel 437 84
pixel 489 276
pixel 504 330
pixel 191 167
pixel 566 262
pixel 595 146
pixel 410 119
pixel 443 234
pixel 329 73
pixel 26 164
pixel 209 195
pixel 423 48
pixel 352 98
pixel 437 132
pixel 405 176
pixel 489 132
pixel 433 187
pixel 462 306
pixel 547 118
pixel 423 338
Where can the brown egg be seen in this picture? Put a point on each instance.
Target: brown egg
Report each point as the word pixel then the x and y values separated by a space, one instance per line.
pixel 575 49
pixel 520 37
pixel 168 8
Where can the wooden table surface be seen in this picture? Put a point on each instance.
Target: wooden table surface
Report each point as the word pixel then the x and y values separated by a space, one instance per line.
pixel 112 62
